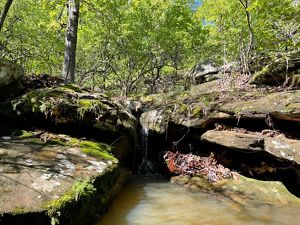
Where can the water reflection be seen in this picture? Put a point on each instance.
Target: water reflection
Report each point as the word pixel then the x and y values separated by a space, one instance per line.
pixel 149 201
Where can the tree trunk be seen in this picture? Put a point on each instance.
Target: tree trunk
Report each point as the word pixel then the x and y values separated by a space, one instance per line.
pixel 68 72
pixel 4 12
pixel 251 34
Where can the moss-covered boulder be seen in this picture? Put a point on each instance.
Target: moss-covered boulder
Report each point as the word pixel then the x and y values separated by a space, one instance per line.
pixel 70 107
pixel 70 104
pixel 54 179
pixel 242 192
pixel 277 69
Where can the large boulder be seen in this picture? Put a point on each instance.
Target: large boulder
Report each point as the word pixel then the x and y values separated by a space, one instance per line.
pixel 235 140
pixel 69 104
pixel 55 179
pixel 74 110
pixel 204 72
pixel 278 146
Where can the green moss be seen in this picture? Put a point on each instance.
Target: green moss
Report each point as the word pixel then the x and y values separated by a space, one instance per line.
pixel 183 108
pixel 93 148
pixel 197 111
pixel 97 153
pixel 81 189
pixel 96 149
pixel 260 75
pixel 85 103
pixel 47 100
pixel 25 134
pixel 36 141
pixel 19 210
pixel 208 99
pixel 56 141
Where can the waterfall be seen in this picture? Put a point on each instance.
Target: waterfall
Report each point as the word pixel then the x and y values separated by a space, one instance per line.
pixel 146 166
pixel 145 134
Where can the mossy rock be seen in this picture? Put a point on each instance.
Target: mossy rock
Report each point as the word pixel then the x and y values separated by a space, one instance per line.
pixel 69 108
pixel 54 178
pixel 275 71
pixel 282 105
pixel 69 104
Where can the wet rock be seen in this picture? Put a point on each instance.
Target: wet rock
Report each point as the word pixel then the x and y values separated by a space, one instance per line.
pixel 241 191
pixel 155 120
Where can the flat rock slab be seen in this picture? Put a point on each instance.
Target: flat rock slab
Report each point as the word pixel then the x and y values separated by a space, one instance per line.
pixel 279 146
pixel 280 105
pixel 33 173
pixel 199 108
pixel 242 192
pixel 232 139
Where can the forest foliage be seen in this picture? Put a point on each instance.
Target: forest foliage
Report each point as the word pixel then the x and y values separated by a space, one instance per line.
pixel 144 46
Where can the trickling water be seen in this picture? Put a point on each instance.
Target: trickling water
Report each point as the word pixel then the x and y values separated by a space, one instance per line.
pixel 148 201
pixel 145 134
pixel 145 166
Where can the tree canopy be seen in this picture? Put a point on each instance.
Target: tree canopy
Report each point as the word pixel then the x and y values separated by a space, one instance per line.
pixel 130 47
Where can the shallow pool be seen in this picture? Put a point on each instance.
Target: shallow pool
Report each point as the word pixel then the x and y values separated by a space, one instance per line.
pixel 150 200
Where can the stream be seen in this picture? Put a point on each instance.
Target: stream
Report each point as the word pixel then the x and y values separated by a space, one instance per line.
pixel 150 200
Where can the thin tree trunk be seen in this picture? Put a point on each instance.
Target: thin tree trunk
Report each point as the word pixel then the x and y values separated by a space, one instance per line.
pixel 251 34
pixel 4 12
pixel 68 72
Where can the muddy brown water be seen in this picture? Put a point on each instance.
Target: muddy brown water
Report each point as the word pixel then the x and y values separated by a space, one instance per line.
pixel 152 201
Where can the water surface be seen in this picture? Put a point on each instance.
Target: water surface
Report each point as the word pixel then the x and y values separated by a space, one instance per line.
pixel 152 201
